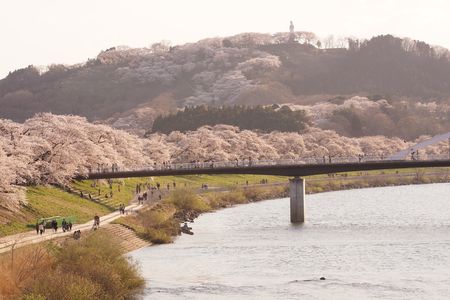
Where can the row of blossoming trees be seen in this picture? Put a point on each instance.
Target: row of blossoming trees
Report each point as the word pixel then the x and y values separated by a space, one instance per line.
pixel 53 148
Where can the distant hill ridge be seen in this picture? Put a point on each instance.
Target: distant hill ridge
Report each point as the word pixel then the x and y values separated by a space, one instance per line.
pixel 246 69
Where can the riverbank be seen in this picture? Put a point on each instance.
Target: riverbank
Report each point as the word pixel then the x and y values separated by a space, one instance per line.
pixel 92 267
pixel 159 224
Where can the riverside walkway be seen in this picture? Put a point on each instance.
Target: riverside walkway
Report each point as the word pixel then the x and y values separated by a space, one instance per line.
pixel 11 242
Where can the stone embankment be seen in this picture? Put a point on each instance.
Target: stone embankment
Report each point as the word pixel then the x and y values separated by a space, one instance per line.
pixel 126 238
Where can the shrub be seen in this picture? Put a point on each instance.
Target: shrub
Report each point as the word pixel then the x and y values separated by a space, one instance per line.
pixel 92 268
pixel 233 197
pixel 224 199
pixel 157 236
pixel 100 260
pixel 23 268
pixel 60 285
pixel 187 200
pixel 157 224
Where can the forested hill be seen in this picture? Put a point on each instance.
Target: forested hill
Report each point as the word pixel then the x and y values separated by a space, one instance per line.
pixel 247 69
pixel 265 119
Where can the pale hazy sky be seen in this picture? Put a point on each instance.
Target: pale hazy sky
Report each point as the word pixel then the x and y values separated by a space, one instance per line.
pixel 41 32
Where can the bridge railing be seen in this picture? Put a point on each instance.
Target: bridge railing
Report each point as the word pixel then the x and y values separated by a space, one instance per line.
pixel 255 163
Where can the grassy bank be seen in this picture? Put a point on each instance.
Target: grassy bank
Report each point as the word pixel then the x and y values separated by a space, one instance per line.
pixel 160 223
pixel 91 268
pixel 46 201
pixel 345 181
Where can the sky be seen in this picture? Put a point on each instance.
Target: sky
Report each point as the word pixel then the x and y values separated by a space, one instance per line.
pixel 42 32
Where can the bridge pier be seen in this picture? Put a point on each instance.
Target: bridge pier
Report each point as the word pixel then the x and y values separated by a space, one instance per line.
pixel 297 193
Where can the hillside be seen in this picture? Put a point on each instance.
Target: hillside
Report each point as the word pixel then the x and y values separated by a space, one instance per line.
pixel 246 69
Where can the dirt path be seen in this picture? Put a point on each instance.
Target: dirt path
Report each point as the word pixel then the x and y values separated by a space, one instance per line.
pixel 10 242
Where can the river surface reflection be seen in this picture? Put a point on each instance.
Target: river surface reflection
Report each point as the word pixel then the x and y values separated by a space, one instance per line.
pixel 378 243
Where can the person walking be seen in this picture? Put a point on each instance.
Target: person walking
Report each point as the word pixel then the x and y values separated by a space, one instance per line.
pixel 64 225
pixel 41 228
pixel 37 227
pixel 55 226
pixel 96 222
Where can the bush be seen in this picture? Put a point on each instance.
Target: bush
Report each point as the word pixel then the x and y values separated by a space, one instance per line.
pixel 258 194
pixel 156 224
pixel 92 268
pixel 100 260
pixel 233 197
pixel 157 236
pixel 217 200
pixel 187 200
pixel 60 285
pixel 19 271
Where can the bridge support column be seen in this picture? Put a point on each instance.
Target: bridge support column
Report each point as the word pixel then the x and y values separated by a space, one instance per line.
pixel 297 193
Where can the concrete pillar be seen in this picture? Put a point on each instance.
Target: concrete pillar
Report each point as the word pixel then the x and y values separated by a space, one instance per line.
pixel 297 193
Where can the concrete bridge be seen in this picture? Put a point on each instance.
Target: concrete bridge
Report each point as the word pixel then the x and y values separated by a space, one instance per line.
pixel 295 169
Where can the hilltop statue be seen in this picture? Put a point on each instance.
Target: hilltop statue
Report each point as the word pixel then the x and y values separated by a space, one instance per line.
pixel 291 33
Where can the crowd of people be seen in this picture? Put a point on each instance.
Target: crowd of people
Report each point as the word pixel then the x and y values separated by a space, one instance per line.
pixel 41 226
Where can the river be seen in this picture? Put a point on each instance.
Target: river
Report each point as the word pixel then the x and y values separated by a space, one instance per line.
pixel 376 243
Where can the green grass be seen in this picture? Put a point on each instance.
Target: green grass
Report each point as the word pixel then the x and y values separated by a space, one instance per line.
pixel 125 195
pixel 128 185
pixel 46 202
pixel 386 172
pixel 195 181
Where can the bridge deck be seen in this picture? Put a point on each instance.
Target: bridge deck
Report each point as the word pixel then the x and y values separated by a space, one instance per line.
pixel 291 170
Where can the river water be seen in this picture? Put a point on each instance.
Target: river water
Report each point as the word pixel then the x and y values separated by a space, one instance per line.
pixel 377 243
